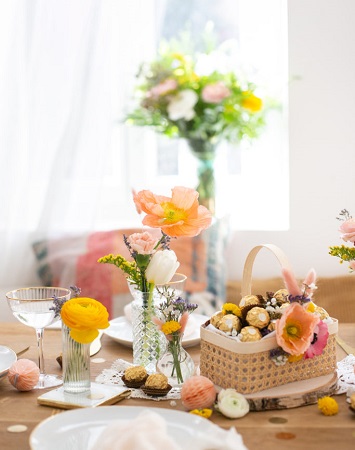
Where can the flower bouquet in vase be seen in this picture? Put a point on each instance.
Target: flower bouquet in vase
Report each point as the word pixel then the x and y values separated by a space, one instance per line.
pixel 152 272
pixel 186 95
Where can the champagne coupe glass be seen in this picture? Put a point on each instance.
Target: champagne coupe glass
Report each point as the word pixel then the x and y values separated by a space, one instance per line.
pixel 36 308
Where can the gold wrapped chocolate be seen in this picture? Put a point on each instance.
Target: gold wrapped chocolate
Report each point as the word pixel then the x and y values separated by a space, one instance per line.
pixel 321 312
pixel 249 334
pixel 258 317
pixel 271 326
pixel 216 319
pixel 281 296
pixel 229 322
pixel 352 400
pixel 249 300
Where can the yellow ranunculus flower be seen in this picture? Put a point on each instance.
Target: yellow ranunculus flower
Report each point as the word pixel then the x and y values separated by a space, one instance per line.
pixel 84 316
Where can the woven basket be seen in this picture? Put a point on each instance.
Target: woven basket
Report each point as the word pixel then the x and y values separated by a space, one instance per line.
pixel 246 366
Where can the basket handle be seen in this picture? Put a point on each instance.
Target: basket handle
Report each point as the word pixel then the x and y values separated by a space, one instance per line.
pixel 248 265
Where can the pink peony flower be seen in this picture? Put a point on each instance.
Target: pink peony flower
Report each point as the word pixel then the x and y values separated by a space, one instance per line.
pixel 347 228
pixel 215 93
pixel 295 329
pixel 143 243
pixel 163 88
pixel 320 338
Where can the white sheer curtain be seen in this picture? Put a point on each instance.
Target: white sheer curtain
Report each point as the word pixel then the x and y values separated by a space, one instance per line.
pixel 66 69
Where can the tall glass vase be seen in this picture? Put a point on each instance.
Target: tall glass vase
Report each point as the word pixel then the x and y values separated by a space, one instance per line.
pixel 76 364
pixel 205 152
pixel 148 341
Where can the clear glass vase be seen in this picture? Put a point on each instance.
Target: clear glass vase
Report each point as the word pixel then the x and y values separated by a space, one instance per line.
pixel 76 364
pixel 205 151
pixel 175 363
pixel 148 341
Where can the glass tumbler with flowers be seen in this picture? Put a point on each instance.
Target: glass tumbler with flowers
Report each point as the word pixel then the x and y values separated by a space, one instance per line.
pixel 154 263
pixel 175 363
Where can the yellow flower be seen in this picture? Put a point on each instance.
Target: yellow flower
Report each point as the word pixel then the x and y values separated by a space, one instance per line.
pixel 84 316
pixel 295 358
pixel 328 406
pixel 205 412
pixel 170 327
pixel 231 308
pixel 311 307
pixel 251 102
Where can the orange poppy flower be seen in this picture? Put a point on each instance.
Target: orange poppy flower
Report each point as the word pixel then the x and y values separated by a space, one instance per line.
pixel 295 329
pixel 180 215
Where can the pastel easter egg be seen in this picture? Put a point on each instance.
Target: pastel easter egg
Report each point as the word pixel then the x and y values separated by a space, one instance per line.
pixel 198 392
pixel 23 374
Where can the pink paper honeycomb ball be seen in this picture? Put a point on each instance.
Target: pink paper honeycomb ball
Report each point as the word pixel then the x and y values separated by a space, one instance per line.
pixel 198 392
pixel 23 374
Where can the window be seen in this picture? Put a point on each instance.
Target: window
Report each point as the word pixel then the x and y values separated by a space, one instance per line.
pixel 252 179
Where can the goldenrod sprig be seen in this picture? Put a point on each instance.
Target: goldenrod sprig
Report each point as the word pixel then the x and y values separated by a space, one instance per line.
pixel 130 268
pixel 343 252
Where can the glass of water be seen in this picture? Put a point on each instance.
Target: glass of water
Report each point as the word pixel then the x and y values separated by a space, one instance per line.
pixel 36 308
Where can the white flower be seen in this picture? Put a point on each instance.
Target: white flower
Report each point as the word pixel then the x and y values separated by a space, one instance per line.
pixel 232 404
pixel 182 105
pixel 162 267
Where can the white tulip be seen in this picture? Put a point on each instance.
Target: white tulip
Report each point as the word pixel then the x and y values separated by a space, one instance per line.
pixel 232 404
pixel 162 267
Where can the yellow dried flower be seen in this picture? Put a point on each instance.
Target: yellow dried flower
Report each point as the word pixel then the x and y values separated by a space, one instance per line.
pixel 311 307
pixel 170 327
pixel 295 358
pixel 205 412
pixel 328 406
pixel 231 308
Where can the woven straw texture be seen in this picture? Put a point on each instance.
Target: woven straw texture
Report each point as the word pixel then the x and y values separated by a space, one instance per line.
pixel 257 372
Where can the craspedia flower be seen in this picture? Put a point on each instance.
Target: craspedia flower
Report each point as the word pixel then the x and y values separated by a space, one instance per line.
pixel 205 412
pixel 170 327
pixel 328 406
pixel 231 308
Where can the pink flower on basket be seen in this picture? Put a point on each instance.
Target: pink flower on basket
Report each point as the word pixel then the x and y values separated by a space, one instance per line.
pixel 142 243
pixel 347 228
pixel 215 93
pixel 320 339
pixel 295 329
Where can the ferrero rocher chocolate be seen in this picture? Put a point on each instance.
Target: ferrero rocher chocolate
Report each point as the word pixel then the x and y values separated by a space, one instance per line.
pixel 157 381
pixel 271 326
pixel 216 319
pixel 258 317
pixel 135 373
pixel 249 300
pixel 352 400
pixel 249 334
pixel 321 312
pixel 281 296
pixel 229 322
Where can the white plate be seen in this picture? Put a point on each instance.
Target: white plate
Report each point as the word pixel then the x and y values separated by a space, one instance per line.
pixel 120 330
pixel 78 429
pixel 7 358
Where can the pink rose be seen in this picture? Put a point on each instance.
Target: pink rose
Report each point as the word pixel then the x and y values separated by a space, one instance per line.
pixel 142 243
pixel 163 88
pixel 347 229
pixel 214 93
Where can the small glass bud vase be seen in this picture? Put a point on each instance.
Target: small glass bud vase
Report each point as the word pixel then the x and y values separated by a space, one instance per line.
pixel 76 364
pixel 176 363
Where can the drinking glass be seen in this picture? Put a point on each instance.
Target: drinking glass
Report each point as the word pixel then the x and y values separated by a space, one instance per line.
pixel 36 308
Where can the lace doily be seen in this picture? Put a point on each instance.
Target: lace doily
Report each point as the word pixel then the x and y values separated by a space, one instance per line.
pixel 114 374
pixel 346 376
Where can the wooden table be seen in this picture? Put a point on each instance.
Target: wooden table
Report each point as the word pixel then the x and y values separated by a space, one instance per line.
pixel 303 428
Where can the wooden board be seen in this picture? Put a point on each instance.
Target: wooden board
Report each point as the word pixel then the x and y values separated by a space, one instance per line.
pixel 293 395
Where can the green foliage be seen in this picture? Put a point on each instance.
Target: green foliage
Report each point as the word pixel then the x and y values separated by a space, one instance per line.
pixel 236 114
